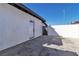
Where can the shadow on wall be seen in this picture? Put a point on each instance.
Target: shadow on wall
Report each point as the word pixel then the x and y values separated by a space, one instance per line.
pixel 51 31
pixel 55 37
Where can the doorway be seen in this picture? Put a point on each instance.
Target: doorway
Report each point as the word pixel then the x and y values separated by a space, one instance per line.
pixel 32 29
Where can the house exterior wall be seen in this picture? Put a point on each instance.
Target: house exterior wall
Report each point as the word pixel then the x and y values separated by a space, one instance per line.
pixel 68 31
pixel 15 25
pixel 38 26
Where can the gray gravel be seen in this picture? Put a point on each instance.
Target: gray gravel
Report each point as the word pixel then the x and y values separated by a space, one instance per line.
pixel 35 47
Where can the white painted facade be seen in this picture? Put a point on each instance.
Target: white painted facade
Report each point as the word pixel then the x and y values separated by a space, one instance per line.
pixel 68 31
pixel 16 26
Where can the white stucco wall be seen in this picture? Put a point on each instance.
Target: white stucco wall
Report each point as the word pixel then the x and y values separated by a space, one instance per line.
pixel 38 26
pixel 69 31
pixel 14 26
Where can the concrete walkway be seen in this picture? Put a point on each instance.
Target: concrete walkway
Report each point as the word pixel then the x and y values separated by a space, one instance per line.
pixel 43 46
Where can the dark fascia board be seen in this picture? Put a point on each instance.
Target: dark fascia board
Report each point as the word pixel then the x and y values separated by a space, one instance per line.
pixel 27 10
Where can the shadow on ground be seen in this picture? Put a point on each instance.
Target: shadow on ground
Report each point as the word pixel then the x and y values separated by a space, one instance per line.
pixel 35 48
pixel 56 52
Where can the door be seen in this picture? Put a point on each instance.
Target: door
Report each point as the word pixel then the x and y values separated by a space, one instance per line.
pixel 32 29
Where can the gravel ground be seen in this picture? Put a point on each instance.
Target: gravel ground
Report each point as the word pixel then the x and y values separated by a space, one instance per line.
pixel 43 46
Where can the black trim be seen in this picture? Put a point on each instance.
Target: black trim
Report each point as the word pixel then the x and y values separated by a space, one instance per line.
pixel 27 10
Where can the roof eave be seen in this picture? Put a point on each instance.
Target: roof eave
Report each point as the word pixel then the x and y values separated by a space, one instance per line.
pixel 25 9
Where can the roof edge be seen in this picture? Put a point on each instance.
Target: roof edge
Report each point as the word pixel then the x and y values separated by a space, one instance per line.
pixel 27 10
